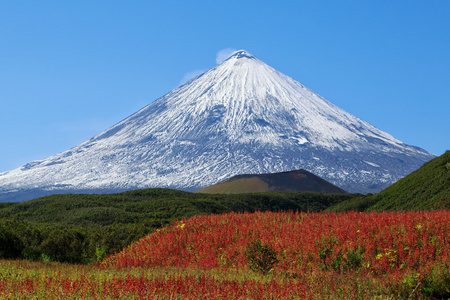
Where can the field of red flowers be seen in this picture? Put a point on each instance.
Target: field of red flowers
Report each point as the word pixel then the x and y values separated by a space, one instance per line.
pixel 404 255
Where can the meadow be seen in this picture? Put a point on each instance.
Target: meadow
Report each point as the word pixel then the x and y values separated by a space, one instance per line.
pixel 261 255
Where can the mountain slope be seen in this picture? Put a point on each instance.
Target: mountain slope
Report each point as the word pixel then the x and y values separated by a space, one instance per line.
pixel 424 189
pixel 241 117
pixel 293 181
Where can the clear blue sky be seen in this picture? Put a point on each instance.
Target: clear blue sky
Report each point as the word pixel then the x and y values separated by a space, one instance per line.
pixel 71 69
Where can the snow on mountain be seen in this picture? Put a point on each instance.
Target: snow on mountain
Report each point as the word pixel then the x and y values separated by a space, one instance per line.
pixel 241 117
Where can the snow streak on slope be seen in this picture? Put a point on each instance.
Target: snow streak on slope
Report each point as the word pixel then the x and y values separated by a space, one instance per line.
pixel 240 117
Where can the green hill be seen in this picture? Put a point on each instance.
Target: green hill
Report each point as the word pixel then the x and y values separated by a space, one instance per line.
pixel 292 181
pixel 427 188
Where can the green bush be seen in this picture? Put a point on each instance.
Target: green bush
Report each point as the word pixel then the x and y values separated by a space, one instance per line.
pixel 65 246
pixel 10 244
pixel 325 254
pixel 436 283
pixel 354 259
pixel 261 257
pixel 100 253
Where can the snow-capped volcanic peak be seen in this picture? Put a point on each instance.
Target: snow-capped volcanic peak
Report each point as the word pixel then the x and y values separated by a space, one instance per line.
pixel 240 117
pixel 249 101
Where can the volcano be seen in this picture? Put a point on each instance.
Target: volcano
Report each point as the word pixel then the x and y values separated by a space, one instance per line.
pixel 240 117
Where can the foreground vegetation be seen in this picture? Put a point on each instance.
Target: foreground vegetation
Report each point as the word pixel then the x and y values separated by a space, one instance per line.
pixel 85 228
pixel 259 256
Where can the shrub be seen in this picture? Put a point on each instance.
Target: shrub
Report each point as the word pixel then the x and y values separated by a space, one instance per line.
pixel 354 259
pixel 261 257
pixel 10 244
pixel 436 282
pixel 65 246
pixel 100 253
